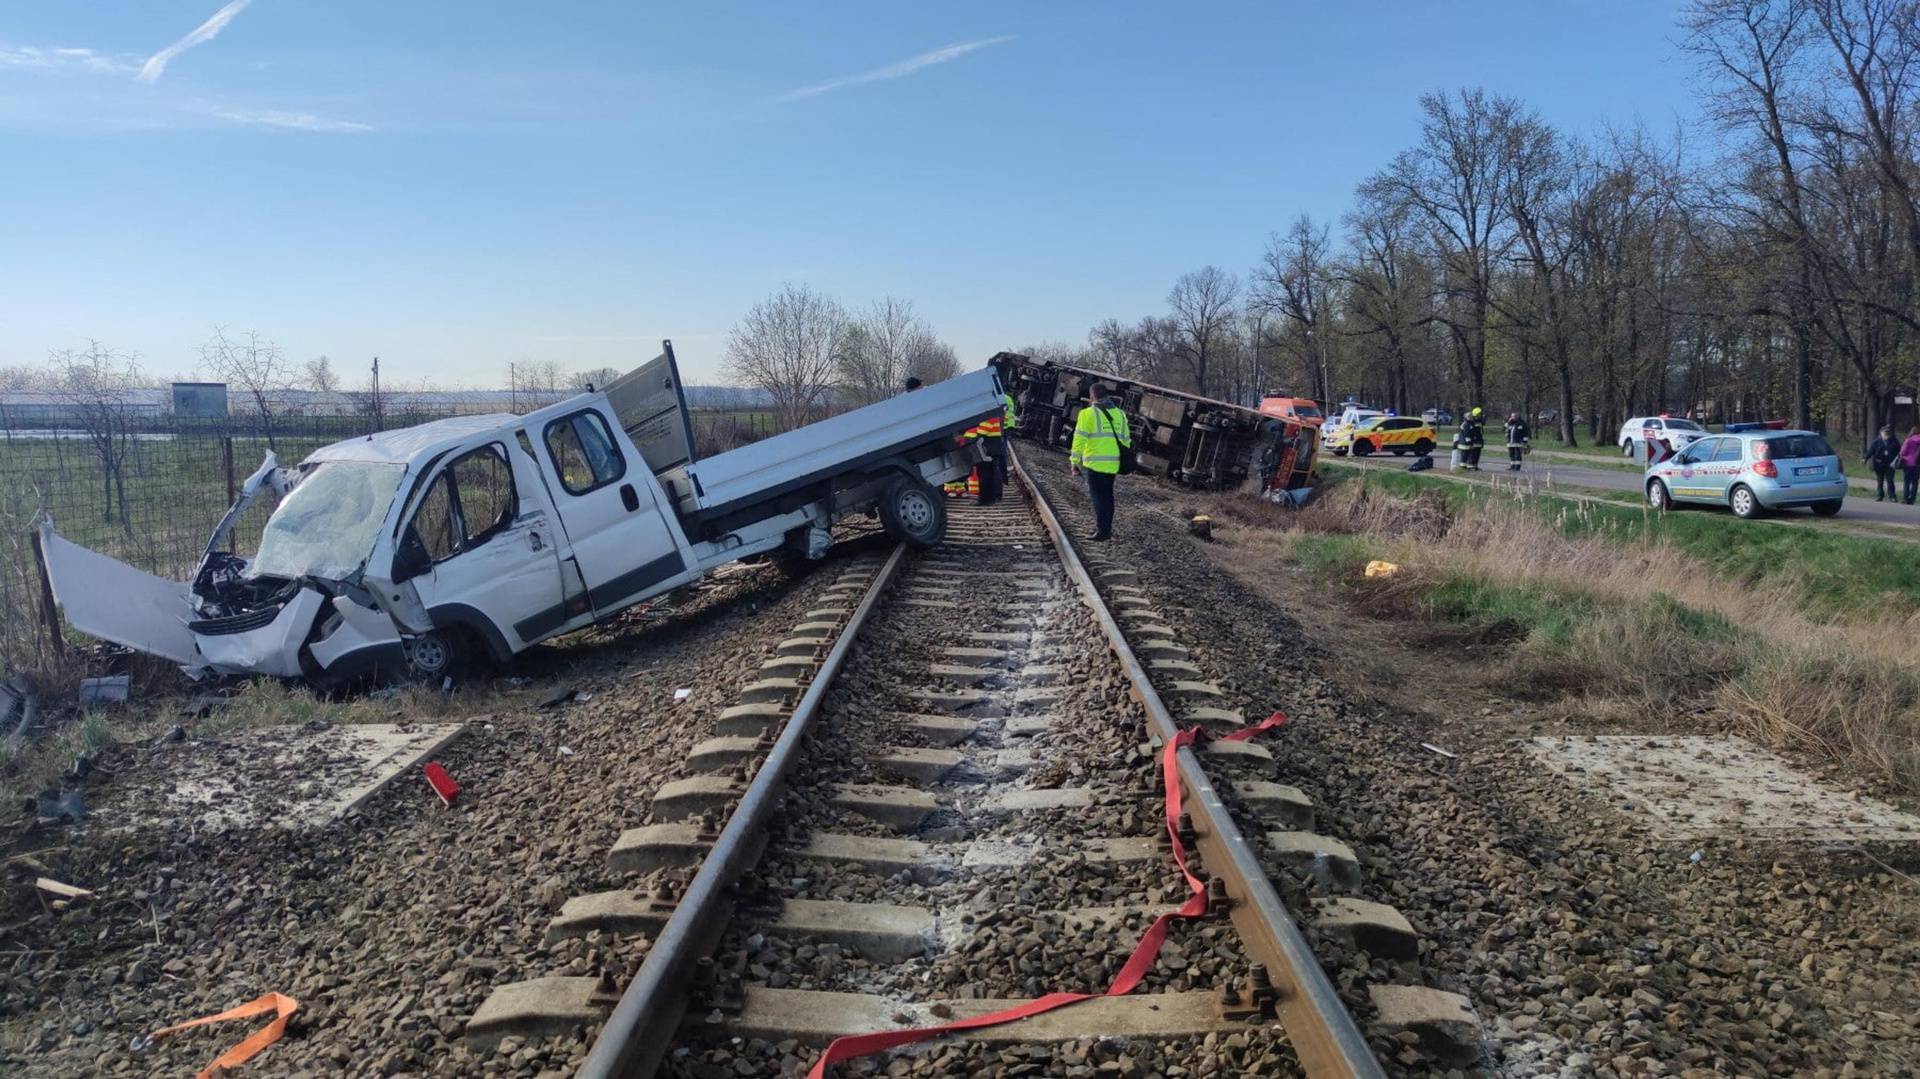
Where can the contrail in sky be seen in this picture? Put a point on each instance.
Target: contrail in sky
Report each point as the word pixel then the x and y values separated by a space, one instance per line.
pixel 207 31
pixel 899 70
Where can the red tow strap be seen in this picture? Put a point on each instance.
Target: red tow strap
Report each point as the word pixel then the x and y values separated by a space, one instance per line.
pixel 859 1045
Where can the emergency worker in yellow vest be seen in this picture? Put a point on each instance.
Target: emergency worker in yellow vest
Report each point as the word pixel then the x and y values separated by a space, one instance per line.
pixel 1098 434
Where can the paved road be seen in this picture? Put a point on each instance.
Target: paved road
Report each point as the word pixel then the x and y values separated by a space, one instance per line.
pixel 1559 473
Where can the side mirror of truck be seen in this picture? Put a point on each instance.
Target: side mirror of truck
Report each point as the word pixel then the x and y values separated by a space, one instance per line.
pixel 412 559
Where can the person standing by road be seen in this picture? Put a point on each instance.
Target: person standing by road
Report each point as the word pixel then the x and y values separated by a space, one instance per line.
pixel 1882 452
pixel 1518 437
pixel 1471 438
pixel 1098 435
pixel 1910 464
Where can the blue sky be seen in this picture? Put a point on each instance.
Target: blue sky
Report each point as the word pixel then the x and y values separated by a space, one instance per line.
pixel 456 187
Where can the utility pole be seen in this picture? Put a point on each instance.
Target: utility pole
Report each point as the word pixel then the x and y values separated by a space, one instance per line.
pixel 378 420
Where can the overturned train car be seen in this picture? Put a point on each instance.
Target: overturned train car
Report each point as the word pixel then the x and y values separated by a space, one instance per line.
pixel 1193 441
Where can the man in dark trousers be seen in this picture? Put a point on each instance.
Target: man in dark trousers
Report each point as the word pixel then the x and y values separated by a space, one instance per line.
pixel 1471 438
pixel 1882 452
pixel 1098 433
pixel 1518 437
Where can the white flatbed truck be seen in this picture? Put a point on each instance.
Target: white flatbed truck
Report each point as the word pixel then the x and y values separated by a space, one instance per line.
pixel 427 547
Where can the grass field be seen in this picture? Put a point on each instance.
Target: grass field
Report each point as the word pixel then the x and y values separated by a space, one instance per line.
pixel 1828 572
pixel 1798 638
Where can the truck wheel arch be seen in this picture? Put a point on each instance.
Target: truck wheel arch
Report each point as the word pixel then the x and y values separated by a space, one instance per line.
pixel 464 616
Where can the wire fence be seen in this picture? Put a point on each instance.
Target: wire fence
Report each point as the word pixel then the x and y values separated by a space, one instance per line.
pixel 148 490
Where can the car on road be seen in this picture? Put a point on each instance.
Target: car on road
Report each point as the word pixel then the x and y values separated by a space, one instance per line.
pixel 1674 431
pixel 1385 434
pixel 1751 472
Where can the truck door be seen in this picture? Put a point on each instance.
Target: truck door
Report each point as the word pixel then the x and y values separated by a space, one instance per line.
pixel 608 506
pixel 492 563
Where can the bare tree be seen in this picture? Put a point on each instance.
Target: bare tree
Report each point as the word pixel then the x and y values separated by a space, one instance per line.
pixel 790 345
pixel 1454 181
pixel 1204 309
pixel 1293 280
pixel 934 361
pixel 880 350
pixel 1111 347
pixel 1751 48
pixel 320 376
pixel 1386 293
pixel 535 384
pixel 96 384
pixel 596 378
pixel 254 366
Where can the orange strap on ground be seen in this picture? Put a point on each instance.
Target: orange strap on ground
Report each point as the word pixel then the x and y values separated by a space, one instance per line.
pixel 279 1003
pixel 1144 953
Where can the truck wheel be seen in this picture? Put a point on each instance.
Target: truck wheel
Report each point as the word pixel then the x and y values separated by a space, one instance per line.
pixel 442 654
pixel 913 513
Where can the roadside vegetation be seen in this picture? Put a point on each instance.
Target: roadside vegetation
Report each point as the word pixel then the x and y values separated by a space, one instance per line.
pixel 1794 638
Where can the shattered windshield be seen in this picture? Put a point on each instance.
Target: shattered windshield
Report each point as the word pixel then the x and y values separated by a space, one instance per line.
pixel 326 526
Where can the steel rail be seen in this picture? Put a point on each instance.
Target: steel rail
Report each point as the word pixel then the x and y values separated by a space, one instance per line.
pixel 1323 1034
pixel 640 1029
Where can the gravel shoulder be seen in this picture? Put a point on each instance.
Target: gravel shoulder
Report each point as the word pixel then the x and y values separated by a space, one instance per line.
pixel 391 925
pixel 1588 946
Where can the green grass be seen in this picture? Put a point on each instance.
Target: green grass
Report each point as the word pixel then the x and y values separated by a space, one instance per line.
pixel 1331 556
pixel 1832 573
pixel 1549 614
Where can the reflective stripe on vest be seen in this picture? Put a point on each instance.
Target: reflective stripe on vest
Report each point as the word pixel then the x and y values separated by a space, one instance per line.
pixel 990 428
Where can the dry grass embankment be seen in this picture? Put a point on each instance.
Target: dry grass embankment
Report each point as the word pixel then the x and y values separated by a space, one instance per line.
pixel 1622 619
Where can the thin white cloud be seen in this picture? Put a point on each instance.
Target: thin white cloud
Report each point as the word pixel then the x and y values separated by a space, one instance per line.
pixel 292 121
pixel 30 58
pixel 900 70
pixel 205 32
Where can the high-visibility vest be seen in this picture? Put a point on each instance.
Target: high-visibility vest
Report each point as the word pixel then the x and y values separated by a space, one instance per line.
pixel 1098 434
pixel 990 428
pixel 1013 418
pixel 972 432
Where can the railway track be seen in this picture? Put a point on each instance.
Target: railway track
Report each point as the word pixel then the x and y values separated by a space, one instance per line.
pixel 947 796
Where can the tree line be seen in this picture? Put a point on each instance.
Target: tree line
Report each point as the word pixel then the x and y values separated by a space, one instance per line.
pixel 1500 261
pixel 811 355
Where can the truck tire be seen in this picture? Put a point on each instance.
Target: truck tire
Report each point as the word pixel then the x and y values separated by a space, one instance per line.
pixel 439 655
pixel 913 513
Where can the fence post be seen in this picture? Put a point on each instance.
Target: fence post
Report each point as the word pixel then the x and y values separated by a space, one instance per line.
pixel 47 612
pixel 226 462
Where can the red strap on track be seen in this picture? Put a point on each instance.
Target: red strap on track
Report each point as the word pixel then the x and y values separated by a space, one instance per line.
pixel 1137 965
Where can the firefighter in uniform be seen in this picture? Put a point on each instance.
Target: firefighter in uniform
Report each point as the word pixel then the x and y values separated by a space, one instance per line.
pixel 994 469
pixel 1519 437
pixel 1470 439
pixel 1098 434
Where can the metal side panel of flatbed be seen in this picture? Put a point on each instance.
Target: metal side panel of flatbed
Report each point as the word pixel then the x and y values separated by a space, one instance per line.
pixel 843 443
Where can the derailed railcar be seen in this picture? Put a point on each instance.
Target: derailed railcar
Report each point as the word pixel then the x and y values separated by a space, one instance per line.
pixel 1192 440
